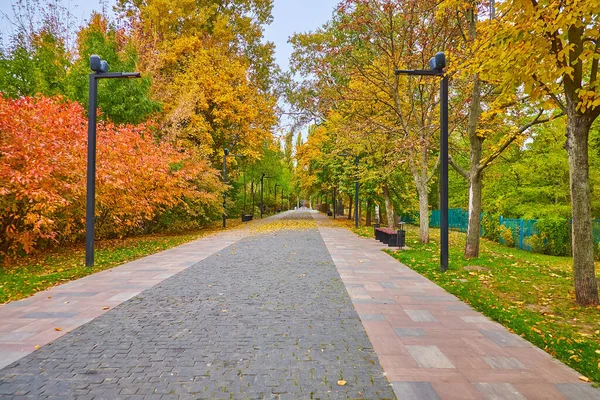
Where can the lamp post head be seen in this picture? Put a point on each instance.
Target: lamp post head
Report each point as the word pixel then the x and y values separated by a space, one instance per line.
pixel 98 65
pixel 226 151
pixel 438 62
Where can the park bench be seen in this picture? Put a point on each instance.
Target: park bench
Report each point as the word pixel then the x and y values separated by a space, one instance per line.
pixel 390 236
pixel 246 217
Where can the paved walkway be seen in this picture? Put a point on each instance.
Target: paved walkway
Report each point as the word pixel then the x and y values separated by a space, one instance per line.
pixel 432 345
pixel 266 317
pixel 246 315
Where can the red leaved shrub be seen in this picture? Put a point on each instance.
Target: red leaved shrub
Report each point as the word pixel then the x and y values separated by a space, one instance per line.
pixel 43 161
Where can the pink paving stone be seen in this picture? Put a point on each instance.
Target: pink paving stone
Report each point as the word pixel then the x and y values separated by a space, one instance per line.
pixel 460 334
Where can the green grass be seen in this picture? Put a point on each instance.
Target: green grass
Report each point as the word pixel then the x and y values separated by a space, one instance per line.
pixel 26 276
pixel 531 294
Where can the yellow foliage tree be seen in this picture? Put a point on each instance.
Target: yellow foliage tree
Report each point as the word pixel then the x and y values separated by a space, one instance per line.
pixel 552 47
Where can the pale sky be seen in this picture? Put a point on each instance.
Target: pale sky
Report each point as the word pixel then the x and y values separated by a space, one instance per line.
pixel 290 16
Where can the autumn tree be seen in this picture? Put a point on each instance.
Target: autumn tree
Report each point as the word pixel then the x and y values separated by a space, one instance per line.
pixel 210 70
pixel 352 62
pixel 494 120
pixel 553 49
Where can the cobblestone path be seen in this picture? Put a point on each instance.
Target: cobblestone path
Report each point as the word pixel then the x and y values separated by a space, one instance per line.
pixel 267 317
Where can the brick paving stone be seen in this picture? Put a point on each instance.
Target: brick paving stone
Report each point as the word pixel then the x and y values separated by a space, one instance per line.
pixel 267 317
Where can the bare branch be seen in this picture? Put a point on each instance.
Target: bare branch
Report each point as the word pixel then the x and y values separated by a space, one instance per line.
pixel 457 167
pixel 485 163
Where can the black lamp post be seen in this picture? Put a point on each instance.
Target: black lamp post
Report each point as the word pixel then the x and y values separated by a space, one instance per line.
pixel 437 65
pixel 333 197
pixel 275 190
pixel 282 198
pixel 356 186
pixel 100 68
pixel 262 184
pixel 225 154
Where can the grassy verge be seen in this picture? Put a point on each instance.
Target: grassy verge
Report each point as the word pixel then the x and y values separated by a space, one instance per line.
pixel 24 277
pixel 531 294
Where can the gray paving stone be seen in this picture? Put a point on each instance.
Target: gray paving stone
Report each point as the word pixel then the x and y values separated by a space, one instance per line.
pixel 476 320
pixel 76 294
pixel 15 336
pixel 429 357
pixel 271 319
pixel 415 391
pixel 499 391
pixel 504 338
pixel 432 298
pixel 504 363
pixel 57 314
pixel 374 301
pixel 420 315
pixel 405 332
pixel 576 391
pixel 388 285
pixel 372 317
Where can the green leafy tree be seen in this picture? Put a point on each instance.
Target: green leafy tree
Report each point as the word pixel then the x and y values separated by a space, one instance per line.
pixel 121 100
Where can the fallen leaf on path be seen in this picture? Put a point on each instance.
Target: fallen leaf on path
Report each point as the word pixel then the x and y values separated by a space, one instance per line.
pixel 584 378
pixel 105 308
pixel 37 346
pixel 342 383
pixel 58 329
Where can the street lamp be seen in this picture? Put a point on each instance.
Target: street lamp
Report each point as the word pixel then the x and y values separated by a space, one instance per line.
pixel 356 161
pixel 262 184
pixel 437 65
pixel 225 154
pixel 100 68
pixel 275 190
pixel 282 198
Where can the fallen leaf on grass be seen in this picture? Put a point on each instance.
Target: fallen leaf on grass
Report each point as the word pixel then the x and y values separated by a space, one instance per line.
pixel 342 383
pixel 536 330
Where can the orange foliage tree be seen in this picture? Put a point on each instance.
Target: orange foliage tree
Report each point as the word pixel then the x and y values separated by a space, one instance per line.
pixel 42 177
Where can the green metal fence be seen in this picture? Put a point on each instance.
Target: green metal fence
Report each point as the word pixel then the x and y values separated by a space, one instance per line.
pixel 523 231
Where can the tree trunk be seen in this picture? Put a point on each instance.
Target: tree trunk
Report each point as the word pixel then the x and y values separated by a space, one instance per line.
pixel 350 207
pixel 473 229
pixel 586 286
pixel 360 211
pixel 389 208
pixel 423 212
pixel 476 145
pixel 369 207
pixel 474 175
